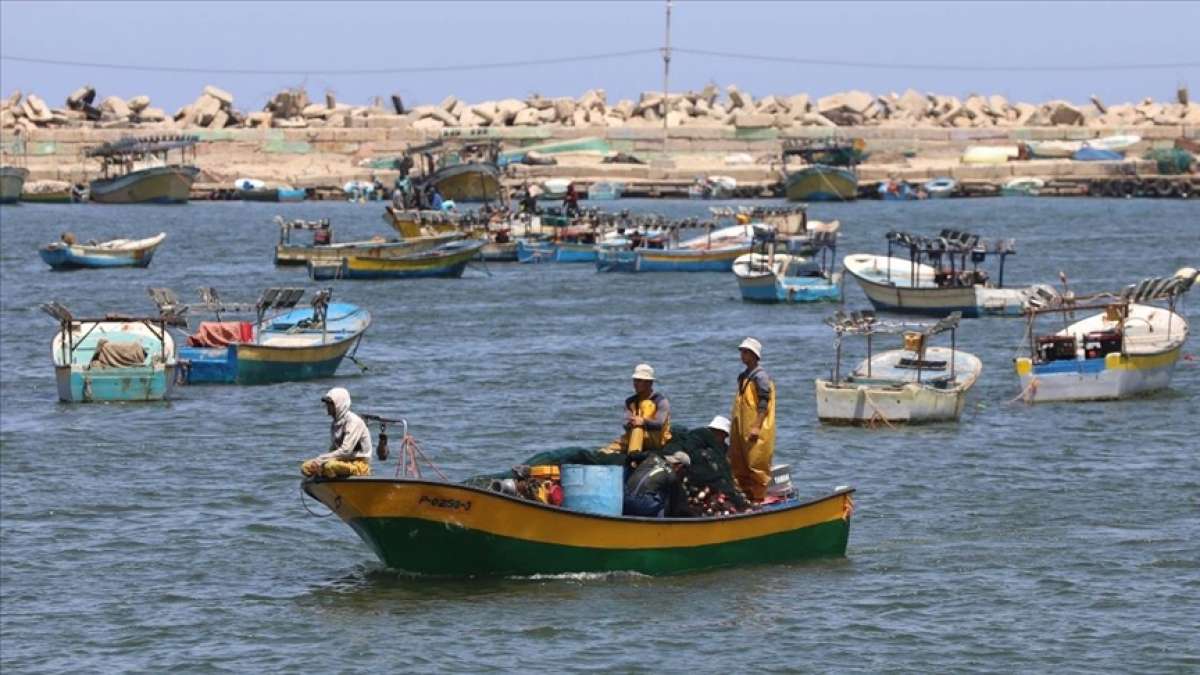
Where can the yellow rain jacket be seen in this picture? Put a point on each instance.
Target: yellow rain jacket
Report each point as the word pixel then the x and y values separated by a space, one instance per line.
pixel 656 432
pixel 751 462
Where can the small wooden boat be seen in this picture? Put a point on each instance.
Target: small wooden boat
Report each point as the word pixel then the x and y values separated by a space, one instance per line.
pixel 768 276
pixel 1129 348
pixel 605 190
pixel 252 190
pixel 414 223
pixel 1054 149
pixel 52 192
pixel 461 171
pixel 12 181
pixel 1022 186
pixel 550 251
pixel 114 358
pixel 63 255
pixel 941 275
pixel 714 251
pixel 284 344
pixel 324 249
pixel 918 383
pixel 156 183
pixel 445 529
pixel 940 188
pixel 446 261
pixel 990 154
pixel 829 174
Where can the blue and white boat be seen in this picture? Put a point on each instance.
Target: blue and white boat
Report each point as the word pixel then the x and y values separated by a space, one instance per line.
pixel 768 276
pixel 111 359
pixel 67 255
pixel 896 191
pixel 284 344
pixel 531 251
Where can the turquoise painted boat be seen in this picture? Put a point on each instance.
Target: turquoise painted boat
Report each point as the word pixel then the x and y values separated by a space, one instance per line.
pixel 446 261
pixel 111 359
pixel 540 251
pixel 711 252
pixel 303 343
pixel 444 529
pixel 60 255
pixel 784 278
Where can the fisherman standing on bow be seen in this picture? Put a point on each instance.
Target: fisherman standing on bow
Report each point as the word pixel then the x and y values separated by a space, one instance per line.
pixel 752 427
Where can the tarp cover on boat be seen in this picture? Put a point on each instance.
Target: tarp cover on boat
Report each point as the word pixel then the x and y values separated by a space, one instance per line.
pixel 111 354
pixel 221 334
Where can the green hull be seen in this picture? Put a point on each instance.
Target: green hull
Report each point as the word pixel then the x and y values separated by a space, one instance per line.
pixel 423 547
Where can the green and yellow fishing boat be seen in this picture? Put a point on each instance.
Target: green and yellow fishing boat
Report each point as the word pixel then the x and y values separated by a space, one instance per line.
pixel 438 528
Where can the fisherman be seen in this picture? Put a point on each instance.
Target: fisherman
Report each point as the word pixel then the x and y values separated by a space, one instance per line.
pixel 647 417
pixel 435 198
pixel 349 442
pixel 655 488
pixel 529 200
pixel 752 429
pixel 709 472
pixel 571 201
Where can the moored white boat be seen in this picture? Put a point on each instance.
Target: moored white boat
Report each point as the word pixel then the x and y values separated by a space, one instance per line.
pixel 918 383
pixel 1129 348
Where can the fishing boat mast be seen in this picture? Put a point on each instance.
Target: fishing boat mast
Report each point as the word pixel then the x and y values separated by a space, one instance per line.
pixel 666 55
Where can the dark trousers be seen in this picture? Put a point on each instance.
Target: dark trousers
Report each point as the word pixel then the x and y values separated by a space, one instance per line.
pixel 650 505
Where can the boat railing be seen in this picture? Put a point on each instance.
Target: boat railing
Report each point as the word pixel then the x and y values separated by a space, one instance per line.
pixel 272 301
pixel 949 253
pixel 286 227
pixel 916 334
pixel 157 325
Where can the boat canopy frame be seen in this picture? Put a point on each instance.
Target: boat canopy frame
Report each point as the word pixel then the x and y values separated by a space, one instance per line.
pixel 271 302
pixel 956 247
pixel 916 334
pixel 157 325
pixel 832 151
pixel 1114 303
pixel 124 151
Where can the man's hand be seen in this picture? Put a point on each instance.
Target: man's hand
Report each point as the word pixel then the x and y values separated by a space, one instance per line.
pixel 637 421
pixel 754 432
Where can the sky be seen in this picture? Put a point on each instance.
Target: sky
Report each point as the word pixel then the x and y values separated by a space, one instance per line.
pixel 884 39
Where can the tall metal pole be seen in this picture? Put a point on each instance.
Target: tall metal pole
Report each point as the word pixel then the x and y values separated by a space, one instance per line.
pixel 666 54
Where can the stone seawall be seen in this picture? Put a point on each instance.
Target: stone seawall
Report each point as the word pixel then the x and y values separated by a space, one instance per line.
pixel 327 157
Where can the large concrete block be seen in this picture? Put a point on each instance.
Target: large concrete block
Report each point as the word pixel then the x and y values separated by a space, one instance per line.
pixel 221 95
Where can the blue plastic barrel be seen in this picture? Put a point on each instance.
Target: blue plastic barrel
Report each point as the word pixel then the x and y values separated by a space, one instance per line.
pixel 593 489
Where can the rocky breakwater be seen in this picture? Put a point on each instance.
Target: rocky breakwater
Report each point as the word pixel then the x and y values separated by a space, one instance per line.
pixel 305 142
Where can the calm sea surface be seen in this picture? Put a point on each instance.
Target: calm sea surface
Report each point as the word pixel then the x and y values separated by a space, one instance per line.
pixel 172 536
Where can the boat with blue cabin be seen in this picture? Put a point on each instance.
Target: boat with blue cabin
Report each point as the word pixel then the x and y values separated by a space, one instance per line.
pixel 137 171
pixel 114 358
pixel 68 255
pixel 285 343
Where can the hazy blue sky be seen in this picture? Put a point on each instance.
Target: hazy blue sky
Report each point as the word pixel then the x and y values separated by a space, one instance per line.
pixel 348 36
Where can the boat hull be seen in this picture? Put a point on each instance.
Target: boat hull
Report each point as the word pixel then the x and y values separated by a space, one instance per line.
pixel 821 183
pixel 157 185
pixel 1114 377
pixel 252 364
pixel 972 301
pixel 286 255
pixel 431 264
pixel 468 182
pixel 77 384
pixel 540 252
pixel 853 403
pixel 773 290
pixel 72 258
pixel 496 252
pixel 12 181
pixel 452 530
pixel 667 260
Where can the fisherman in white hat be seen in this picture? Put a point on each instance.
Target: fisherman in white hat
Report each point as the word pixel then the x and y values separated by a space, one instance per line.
pixel 752 426
pixel 647 416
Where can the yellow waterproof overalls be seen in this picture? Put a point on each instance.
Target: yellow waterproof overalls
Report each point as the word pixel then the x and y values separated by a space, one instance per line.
pixel 640 439
pixel 751 462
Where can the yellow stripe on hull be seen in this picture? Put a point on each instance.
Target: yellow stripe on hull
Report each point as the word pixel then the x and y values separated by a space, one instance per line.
pixel 494 514
pixel 305 354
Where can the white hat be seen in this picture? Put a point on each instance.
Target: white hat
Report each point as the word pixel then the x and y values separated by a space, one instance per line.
pixel 720 423
pixel 643 371
pixel 753 345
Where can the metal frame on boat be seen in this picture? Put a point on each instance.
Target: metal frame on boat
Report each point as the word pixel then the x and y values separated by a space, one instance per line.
pixel 918 383
pixel 1130 347
pixel 158 182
